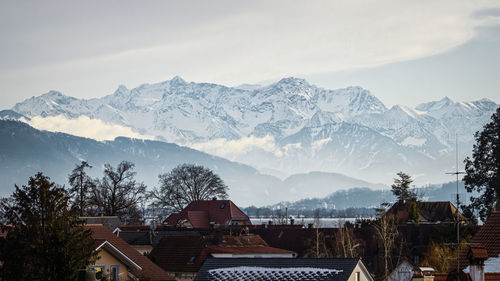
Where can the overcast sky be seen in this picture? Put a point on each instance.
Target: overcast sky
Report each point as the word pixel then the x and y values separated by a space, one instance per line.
pixel 405 52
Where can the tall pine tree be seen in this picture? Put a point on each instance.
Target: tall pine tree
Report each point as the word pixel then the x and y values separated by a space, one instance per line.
pixel 80 184
pixel 45 238
pixel 401 188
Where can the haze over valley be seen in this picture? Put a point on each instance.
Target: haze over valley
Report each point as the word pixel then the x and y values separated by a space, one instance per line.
pixel 289 138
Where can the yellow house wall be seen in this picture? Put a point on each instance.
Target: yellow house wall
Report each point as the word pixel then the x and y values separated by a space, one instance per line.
pixel 105 258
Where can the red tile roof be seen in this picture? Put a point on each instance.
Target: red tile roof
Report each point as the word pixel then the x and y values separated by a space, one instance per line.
pixel 452 277
pixel 478 251
pixel 434 211
pixel 493 276
pixel 440 276
pixel 199 219
pixel 201 213
pixel 220 249
pixel 188 253
pixel 180 253
pixel 134 227
pixel 487 236
pixel 149 270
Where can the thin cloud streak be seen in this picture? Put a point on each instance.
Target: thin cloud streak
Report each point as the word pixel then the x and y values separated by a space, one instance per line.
pixel 267 40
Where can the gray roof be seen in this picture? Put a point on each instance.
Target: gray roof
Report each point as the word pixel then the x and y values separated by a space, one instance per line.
pixel 111 222
pixel 138 238
pixel 283 269
pixel 141 238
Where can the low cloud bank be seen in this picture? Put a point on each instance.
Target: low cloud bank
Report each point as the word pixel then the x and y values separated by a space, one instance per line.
pixel 84 126
pixel 232 148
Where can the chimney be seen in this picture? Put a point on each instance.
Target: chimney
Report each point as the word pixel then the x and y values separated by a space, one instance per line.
pixel 476 272
pixel 424 274
pixel 477 255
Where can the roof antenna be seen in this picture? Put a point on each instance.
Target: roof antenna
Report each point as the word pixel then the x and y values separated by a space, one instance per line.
pixel 458 205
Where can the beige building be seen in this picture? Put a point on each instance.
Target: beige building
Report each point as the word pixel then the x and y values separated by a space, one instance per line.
pixel 119 261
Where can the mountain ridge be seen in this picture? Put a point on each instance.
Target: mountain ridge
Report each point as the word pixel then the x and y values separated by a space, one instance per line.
pixel 347 130
pixel 25 151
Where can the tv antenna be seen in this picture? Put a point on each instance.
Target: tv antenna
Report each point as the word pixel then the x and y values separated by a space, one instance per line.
pixel 457 206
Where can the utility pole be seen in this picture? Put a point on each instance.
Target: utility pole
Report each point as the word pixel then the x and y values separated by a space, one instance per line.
pixel 458 205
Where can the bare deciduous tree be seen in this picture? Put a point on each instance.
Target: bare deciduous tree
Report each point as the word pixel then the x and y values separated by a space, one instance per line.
pixel 346 244
pixel 187 183
pixel 117 193
pixel 387 232
pixel 317 246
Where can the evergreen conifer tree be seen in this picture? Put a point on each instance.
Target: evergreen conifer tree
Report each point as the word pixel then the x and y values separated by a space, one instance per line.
pixel 401 188
pixel 80 184
pixel 45 238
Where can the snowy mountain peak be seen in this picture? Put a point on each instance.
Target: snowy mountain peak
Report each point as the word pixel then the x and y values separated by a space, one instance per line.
pixel 177 80
pixel 292 81
pixel 291 85
pixel 347 130
pixel 53 93
pixel 446 100
pixel 436 105
pixel 121 89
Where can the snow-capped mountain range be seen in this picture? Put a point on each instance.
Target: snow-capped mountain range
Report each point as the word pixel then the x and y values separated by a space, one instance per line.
pixel 290 126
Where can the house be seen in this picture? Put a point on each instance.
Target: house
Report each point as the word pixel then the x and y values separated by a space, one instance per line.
pixel 131 228
pixel 404 271
pixel 111 222
pixel 481 259
pixel 203 214
pixel 296 239
pixel 428 212
pixel 183 255
pixel 142 241
pixel 224 269
pixel 119 261
pixel 140 237
pixel 424 274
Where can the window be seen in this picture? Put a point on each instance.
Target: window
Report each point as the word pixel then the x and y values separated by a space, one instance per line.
pixel 115 272
pixel 222 205
pixel 358 276
pixel 100 273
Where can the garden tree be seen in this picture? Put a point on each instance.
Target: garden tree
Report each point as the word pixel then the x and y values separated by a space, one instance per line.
pixel 387 233
pixel 187 183
pixel 414 212
pixel 440 255
pixel 45 238
pixel 346 245
pixel 317 246
pixel 80 184
pixel 117 193
pixel 401 188
pixel 482 171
